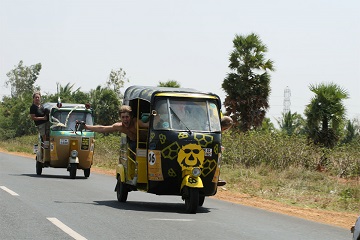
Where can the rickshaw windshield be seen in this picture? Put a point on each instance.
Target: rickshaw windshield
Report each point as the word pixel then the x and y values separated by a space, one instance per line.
pixel 186 114
pixel 67 121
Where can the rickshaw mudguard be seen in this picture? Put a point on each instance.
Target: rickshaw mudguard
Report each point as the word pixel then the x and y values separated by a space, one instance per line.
pixel 39 157
pixel 73 160
pixel 120 170
pixel 192 182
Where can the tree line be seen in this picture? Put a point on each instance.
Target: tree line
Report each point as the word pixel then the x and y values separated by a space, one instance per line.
pixel 246 85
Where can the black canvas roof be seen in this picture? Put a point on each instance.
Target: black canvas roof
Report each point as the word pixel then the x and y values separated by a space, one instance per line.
pixel 147 92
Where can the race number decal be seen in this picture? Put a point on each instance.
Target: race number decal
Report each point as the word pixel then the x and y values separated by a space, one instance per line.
pixel 154 166
pixel 152 158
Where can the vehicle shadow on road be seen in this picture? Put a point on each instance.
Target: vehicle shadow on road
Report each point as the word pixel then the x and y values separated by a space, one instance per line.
pixel 150 206
pixel 51 176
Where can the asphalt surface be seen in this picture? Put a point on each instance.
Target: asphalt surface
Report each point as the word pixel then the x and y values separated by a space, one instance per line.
pixel 53 206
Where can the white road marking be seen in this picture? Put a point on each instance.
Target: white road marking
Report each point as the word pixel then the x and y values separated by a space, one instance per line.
pixel 66 229
pixel 9 191
pixel 171 219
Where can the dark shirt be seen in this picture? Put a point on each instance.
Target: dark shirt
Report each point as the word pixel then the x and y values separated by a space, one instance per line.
pixel 39 112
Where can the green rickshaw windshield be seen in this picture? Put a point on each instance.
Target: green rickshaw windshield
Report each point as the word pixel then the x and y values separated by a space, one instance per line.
pixel 187 114
pixel 63 120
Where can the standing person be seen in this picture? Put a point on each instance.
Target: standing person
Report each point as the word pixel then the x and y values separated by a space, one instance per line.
pixel 39 115
pixel 127 125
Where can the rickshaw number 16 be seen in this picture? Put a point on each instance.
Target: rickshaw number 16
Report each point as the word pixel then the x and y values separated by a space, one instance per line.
pixel 152 158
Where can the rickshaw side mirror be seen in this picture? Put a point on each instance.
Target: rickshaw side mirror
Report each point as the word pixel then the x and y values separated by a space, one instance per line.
pixel 154 112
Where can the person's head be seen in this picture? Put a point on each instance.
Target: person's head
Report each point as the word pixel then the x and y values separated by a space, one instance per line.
pixel 36 97
pixel 226 123
pixel 125 115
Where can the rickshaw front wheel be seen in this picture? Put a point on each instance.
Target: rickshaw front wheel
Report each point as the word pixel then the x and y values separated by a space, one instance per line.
pixel 201 200
pixel 72 170
pixel 192 200
pixel 39 167
pixel 121 191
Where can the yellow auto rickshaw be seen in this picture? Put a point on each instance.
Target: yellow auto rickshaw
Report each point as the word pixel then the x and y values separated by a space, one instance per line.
pixel 67 145
pixel 180 152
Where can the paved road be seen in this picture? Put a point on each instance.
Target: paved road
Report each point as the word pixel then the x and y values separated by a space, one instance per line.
pixel 53 206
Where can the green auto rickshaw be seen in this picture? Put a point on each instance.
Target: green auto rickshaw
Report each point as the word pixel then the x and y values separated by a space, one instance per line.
pixel 66 145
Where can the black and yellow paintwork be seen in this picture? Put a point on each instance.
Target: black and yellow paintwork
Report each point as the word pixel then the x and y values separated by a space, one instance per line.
pixel 164 158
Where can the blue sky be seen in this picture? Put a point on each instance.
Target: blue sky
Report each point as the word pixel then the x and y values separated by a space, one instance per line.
pixel 80 42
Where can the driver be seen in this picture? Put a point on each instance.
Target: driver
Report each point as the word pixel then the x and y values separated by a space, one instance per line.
pixel 127 125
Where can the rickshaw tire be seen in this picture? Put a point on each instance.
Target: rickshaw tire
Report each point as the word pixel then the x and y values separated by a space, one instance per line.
pixel 121 191
pixel 87 172
pixel 39 167
pixel 73 168
pixel 201 200
pixel 192 200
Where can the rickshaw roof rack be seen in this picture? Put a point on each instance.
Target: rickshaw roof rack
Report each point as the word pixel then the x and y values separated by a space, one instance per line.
pixel 147 92
pixel 50 105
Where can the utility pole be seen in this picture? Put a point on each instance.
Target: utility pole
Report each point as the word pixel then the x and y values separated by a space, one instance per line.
pixel 287 103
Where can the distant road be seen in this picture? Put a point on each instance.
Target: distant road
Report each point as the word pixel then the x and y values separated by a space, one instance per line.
pixel 53 206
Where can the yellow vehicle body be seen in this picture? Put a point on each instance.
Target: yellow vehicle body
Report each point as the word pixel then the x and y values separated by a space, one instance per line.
pixel 180 155
pixel 66 147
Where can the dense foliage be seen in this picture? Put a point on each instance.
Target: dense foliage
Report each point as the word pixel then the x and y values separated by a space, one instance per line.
pixel 170 83
pixel 14 111
pixel 247 86
pixel 325 115
pixel 22 79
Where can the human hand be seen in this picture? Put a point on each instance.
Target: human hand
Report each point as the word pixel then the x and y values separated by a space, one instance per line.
pixel 80 125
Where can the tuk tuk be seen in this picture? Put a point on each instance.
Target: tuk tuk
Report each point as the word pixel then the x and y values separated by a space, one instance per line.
pixel 180 153
pixel 65 146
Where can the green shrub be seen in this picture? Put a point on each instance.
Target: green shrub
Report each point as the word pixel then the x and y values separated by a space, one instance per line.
pixel 277 151
pixel 106 150
pixel 274 150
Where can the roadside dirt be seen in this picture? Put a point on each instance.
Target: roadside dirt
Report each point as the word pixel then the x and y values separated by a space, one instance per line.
pixel 340 219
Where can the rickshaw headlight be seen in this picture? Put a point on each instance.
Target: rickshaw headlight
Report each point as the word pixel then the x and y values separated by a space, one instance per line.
pixel 196 172
pixel 74 153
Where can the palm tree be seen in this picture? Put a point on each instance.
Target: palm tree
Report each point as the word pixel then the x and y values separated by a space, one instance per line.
pixel 351 131
pixel 291 123
pixel 247 86
pixel 326 114
pixel 65 92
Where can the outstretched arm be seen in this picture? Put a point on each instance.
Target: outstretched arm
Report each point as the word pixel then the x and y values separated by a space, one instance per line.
pixel 104 129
